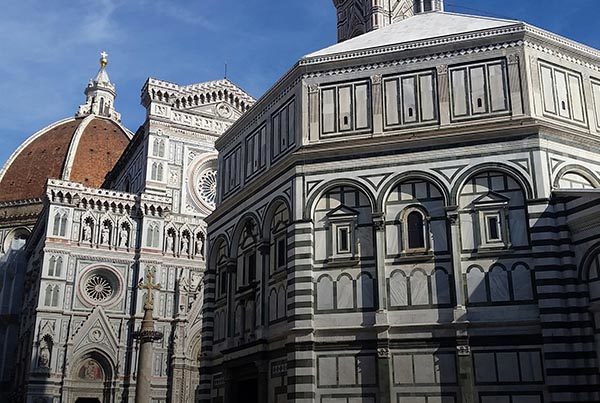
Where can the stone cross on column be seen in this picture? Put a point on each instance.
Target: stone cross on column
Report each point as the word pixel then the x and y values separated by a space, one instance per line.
pixel 149 285
pixel 146 336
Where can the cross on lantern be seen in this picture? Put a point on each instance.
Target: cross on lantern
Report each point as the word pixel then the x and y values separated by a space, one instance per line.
pixel 149 285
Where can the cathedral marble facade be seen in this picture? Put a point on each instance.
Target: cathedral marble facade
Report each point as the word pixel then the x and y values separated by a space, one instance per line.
pixel 86 234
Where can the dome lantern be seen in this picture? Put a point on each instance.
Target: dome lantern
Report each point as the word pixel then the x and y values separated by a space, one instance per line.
pixel 100 94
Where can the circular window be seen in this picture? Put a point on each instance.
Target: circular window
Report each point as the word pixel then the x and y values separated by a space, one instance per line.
pixel 202 183
pixel 100 286
pixel 207 187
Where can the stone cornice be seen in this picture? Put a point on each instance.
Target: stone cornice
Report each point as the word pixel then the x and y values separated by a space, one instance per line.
pixel 440 41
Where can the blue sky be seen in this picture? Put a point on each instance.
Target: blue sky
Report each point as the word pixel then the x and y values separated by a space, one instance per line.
pixel 49 49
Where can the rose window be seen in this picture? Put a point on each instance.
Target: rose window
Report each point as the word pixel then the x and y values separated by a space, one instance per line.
pixel 98 288
pixel 207 187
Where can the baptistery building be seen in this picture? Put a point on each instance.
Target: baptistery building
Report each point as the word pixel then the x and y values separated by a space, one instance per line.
pixel 411 216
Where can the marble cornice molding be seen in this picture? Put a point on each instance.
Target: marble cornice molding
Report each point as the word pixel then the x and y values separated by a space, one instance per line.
pixel 556 52
pixel 93 258
pixel 414 60
pixel 446 40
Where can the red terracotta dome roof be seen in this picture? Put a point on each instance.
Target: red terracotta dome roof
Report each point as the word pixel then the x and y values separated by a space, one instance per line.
pixel 78 149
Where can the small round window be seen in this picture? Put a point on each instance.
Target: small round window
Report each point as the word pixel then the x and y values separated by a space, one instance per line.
pixel 100 286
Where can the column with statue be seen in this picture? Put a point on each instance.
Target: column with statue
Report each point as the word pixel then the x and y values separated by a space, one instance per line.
pixel 146 336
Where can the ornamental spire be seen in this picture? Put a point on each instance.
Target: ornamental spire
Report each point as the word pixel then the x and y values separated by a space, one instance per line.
pixel 100 94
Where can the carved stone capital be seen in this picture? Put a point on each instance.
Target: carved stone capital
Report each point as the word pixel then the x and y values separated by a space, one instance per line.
pixel 442 69
pixel 379 221
pixel 313 88
pixel 463 350
pixel 452 215
pixel 383 352
pixel 376 79
pixel 513 58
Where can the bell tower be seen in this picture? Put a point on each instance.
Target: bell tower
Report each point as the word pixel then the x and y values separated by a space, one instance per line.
pixel 356 17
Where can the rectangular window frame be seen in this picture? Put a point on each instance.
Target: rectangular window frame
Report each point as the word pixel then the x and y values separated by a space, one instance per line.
pixel 399 111
pixel 255 152
pixel 231 173
pixel 595 83
pixel 569 116
pixel 283 139
pixel 470 113
pixel 337 130
pixel 347 224
pixel 280 255
pixel 486 215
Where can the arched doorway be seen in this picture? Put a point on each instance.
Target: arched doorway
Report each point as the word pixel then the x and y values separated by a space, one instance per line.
pixel 91 379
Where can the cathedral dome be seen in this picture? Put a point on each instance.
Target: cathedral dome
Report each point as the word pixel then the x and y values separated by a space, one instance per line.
pixel 82 149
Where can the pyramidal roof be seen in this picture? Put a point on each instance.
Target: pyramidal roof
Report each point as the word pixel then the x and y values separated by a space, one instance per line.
pixel 416 28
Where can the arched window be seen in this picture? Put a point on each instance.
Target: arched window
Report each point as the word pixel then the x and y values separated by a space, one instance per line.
pixel 161 148
pixel 522 282
pixel 476 285
pixel 365 291
pixel 419 289
pixel 415 229
pixel 63 225
pixel 56 227
pixel 154 171
pixel 155 236
pixel 344 292
pixel 149 234
pixel 58 267
pixel 498 284
pixel 398 289
pixel 281 303
pixel 440 287
pixel 55 295
pixel 324 293
pixel 51 266
pixel 60 224
pixel 48 296
pixel 273 305
pixel 159 172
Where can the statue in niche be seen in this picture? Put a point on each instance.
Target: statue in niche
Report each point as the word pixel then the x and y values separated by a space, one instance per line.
pixel 87 231
pixel 105 234
pixel 123 236
pixel 170 242
pixel 184 288
pixel 200 246
pixel 185 244
pixel 44 357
